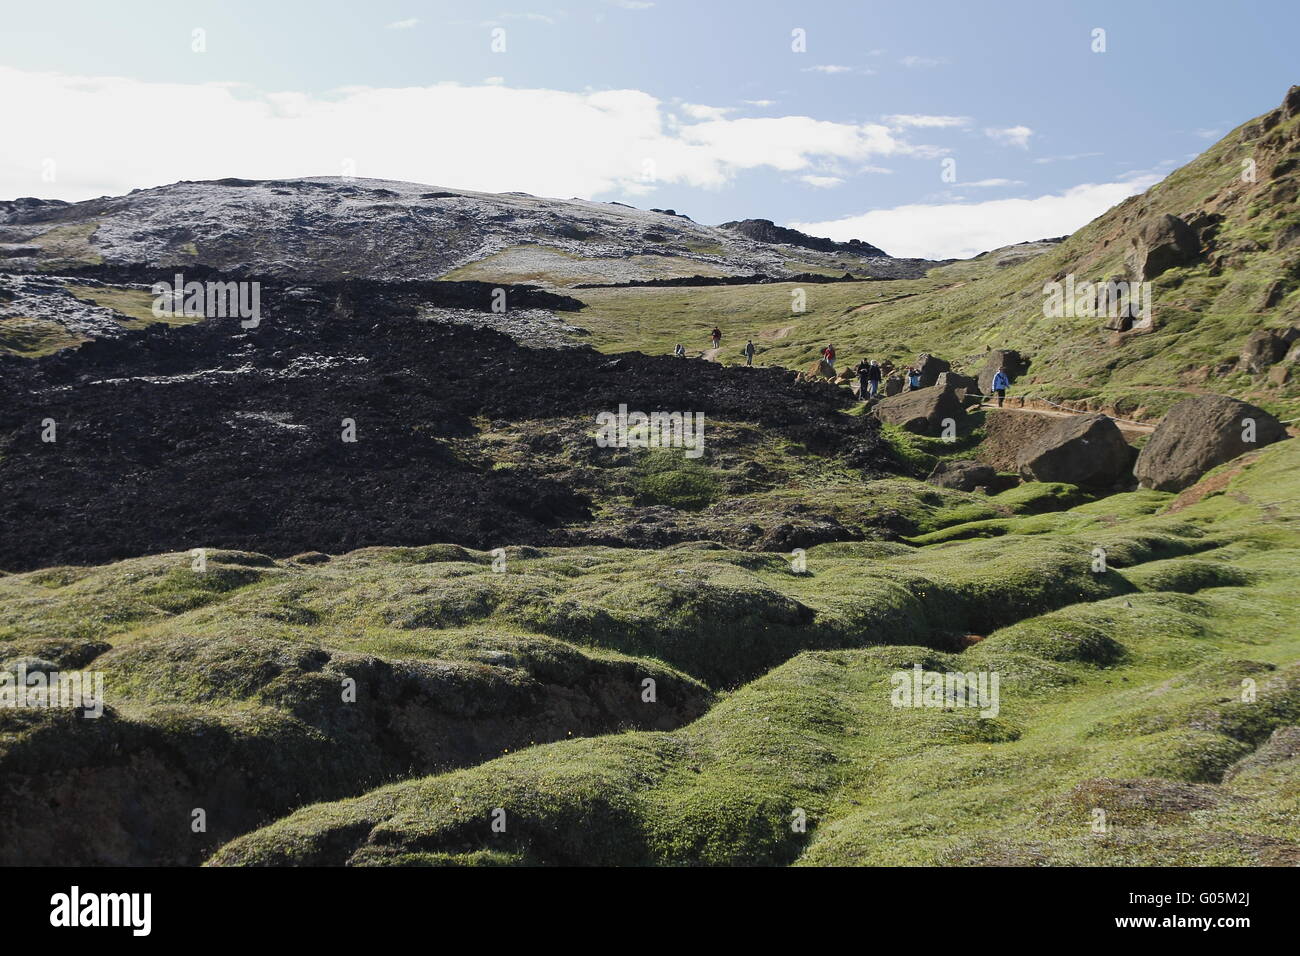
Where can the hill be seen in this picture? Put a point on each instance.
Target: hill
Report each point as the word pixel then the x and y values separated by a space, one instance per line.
pixel 1224 315
pixel 328 228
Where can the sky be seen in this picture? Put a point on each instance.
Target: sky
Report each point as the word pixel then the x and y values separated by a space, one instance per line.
pixel 935 129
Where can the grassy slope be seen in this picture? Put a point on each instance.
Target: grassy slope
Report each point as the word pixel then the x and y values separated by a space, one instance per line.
pixel 1130 703
pixel 1203 312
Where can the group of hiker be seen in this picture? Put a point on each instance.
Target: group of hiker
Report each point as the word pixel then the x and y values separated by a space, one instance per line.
pixel 715 337
pixel 870 372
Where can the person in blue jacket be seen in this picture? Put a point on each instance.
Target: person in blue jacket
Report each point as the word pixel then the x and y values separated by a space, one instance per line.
pixel 1000 385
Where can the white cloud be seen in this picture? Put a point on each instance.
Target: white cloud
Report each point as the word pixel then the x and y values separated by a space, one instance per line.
pixel 1011 135
pixel 403 24
pixel 1070 158
pixel 827 68
pixel 917 119
pixel 446 134
pixel 923 61
pixel 822 182
pixel 961 230
pixel 494 80
pixel 759 102
pixel 986 183
pixel 632 4
pixel 534 17
pixel 697 111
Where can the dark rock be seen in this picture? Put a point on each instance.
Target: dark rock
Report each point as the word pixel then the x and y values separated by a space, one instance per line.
pixel 962 475
pixel 1291 105
pixel 1163 243
pixel 1263 348
pixel 1080 450
pixel 922 411
pixel 211 435
pixel 1198 434
pixel 764 230
pixel 931 367
pixel 1009 359
pixel 962 384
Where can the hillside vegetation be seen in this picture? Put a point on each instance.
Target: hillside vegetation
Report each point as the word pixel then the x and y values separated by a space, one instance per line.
pixel 1167 699
pixel 1246 277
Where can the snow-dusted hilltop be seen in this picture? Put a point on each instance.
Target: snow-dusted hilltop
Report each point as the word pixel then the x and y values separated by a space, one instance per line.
pixel 329 227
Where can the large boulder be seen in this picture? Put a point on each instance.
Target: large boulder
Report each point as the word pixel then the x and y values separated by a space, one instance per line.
pixel 1262 348
pixel 1198 434
pixel 893 385
pixel 963 475
pixel 1161 244
pixel 1080 450
pixel 958 382
pixel 922 411
pixel 931 367
pixel 1000 358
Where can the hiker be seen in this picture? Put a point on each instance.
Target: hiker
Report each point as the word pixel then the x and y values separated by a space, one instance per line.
pixel 749 352
pixel 1000 384
pixel 679 350
pixel 873 378
pixel 716 336
pixel 862 369
pixel 828 354
pixel 913 379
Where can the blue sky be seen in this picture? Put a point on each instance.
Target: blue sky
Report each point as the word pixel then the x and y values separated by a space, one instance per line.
pixel 703 107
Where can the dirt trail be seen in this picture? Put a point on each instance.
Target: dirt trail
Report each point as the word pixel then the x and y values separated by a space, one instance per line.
pixel 771 335
pixel 1126 427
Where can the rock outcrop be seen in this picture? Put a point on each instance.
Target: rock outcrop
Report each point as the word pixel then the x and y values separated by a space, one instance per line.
pixel 1009 359
pixel 962 475
pixel 764 230
pixel 1081 450
pixel 1262 347
pixel 923 411
pixel 1198 434
pixel 930 367
pixel 962 384
pixel 1161 244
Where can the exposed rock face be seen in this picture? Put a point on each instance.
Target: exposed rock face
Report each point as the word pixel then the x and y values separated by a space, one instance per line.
pixel 1009 359
pixel 1198 434
pixel 893 385
pixel 1263 347
pixel 962 475
pixel 1081 450
pixel 931 367
pixel 764 230
pixel 1161 244
pixel 922 411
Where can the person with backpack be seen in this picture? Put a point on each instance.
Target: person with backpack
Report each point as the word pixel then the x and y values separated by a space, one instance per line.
pixel 828 354
pixel 1000 384
pixel 716 335
pixel 913 379
pixel 749 352
pixel 679 350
